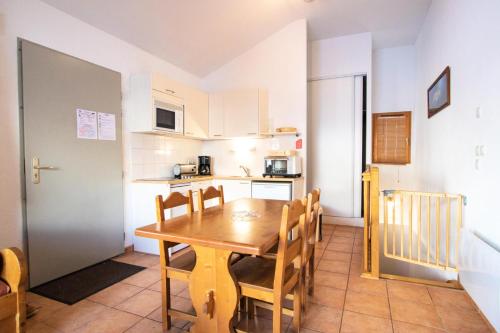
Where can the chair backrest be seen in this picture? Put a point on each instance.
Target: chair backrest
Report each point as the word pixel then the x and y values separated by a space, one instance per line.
pixel 289 251
pixel 175 199
pixel 210 193
pixel 312 215
pixel 13 271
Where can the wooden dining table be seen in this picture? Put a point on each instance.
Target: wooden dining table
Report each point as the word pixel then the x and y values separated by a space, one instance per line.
pixel 245 226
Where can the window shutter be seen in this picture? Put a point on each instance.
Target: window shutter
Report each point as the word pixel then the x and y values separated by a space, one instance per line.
pixel 391 138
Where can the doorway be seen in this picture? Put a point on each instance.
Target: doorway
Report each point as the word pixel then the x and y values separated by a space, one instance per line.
pixel 72 174
pixel 336 143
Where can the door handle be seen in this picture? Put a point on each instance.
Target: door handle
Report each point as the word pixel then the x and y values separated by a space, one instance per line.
pixel 45 168
pixel 36 167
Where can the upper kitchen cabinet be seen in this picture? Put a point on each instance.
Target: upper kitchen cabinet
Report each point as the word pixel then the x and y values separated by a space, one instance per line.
pixel 238 113
pixel 160 105
pixel 196 114
pixel 241 112
pixel 216 115
pixel 165 85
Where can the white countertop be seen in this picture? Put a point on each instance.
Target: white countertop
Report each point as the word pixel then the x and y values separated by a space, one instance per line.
pixel 204 178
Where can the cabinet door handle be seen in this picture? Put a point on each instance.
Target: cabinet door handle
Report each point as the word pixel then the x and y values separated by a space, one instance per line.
pixel 217 134
pixel 252 133
pixel 189 133
pixel 170 91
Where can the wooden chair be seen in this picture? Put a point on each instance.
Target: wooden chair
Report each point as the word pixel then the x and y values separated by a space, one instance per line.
pixel 311 202
pixel 270 280
pixel 312 218
pixel 180 266
pixel 13 304
pixel 210 193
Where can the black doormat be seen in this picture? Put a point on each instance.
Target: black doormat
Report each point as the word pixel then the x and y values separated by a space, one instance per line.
pixel 76 286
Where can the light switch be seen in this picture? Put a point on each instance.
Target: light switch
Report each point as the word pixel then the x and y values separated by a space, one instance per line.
pixel 479 150
pixel 478 112
pixel 482 150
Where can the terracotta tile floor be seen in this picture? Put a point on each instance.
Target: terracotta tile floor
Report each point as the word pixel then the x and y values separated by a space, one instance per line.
pixel 343 302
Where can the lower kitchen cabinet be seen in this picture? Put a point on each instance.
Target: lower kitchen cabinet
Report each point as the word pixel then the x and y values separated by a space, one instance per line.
pixel 261 189
pixel 143 206
pixel 235 189
pixel 272 190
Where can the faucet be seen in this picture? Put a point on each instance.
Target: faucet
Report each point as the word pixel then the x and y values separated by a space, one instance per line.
pixel 247 170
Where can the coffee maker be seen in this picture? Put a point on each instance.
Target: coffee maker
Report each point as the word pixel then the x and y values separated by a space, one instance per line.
pixel 204 166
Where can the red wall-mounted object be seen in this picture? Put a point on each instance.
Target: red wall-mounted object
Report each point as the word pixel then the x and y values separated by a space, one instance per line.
pixel 298 144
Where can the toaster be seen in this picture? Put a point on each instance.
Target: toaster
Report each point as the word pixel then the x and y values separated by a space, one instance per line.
pixel 182 170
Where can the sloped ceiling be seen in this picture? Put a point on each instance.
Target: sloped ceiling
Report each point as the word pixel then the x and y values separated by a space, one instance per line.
pixel 202 35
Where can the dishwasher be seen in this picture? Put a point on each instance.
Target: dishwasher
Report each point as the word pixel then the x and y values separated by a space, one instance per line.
pixel 272 190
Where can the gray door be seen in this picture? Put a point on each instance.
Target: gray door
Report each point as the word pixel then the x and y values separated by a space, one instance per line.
pixel 74 211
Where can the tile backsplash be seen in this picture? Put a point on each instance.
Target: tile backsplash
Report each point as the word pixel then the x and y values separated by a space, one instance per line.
pixel 228 155
pixel 153 156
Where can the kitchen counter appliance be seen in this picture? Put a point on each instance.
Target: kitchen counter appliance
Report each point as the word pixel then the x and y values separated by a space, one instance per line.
pixel 282 166
pixel 204 168
pixel 168 116
pixel 184 171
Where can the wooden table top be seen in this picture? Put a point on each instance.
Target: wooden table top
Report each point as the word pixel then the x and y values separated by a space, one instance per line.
pixel 249 226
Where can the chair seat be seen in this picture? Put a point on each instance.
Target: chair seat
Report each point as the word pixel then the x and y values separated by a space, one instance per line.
pixel 273 252
pixel 186 261
pixel 259 272
pixel 4 288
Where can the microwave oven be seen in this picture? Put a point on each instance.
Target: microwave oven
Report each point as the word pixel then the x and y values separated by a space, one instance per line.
pixel 282 166
pixel 168 116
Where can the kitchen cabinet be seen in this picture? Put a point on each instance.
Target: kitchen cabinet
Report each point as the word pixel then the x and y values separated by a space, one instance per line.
pixel 168 86
pixel 272 190
pixel 143 87
pixel 143 208
pixel 235 189
pixel 238 113
pixel 216 115
pixel 196 114
pixel 241 110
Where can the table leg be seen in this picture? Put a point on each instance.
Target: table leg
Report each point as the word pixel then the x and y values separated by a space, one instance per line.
pixel 165 286
pixel 213 291
pixel 321 227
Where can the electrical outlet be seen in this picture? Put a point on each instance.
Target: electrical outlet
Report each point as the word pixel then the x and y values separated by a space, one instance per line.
pixel 478 112
pixel 477 164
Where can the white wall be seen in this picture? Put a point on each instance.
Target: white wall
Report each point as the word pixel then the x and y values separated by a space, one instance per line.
pixel 279 65
pixel 394 90
pixel 346 55
pixel 40 23
pixel 464 35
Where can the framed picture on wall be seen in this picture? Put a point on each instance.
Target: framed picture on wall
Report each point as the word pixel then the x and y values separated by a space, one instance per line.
pixel 438 94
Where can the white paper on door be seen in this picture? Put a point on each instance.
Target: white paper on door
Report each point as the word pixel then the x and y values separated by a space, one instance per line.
pixel 106 126
pixel 86 124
